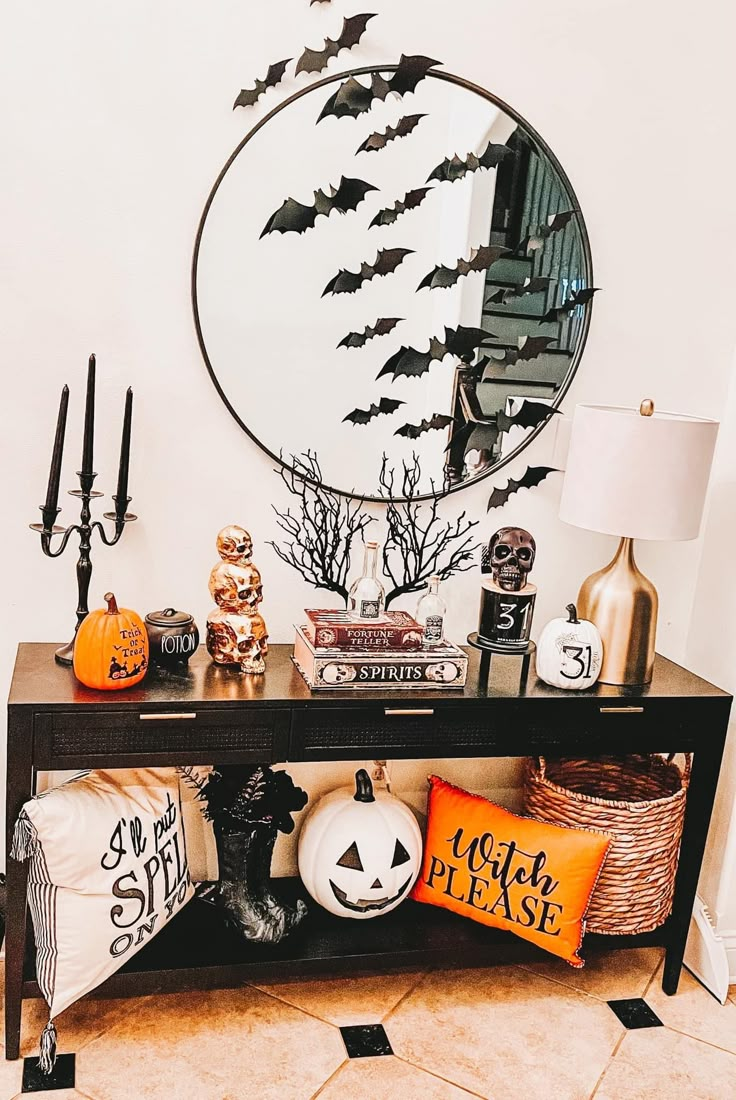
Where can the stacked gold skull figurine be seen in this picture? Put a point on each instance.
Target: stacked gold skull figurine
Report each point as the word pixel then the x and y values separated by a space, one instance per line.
pixel 236 631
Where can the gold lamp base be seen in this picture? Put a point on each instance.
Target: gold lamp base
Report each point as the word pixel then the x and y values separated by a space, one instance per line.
pixel 622 603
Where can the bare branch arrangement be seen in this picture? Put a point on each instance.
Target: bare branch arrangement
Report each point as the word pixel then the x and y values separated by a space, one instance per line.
pixel 320 532
pixel 418 543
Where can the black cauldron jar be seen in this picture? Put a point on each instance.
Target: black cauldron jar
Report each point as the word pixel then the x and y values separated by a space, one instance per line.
pixel 173 637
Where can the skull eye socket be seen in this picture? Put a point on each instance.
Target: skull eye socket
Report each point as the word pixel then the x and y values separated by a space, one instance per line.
pixel 400 855
pixel 524 553
pixel 351 858
pixel 502 551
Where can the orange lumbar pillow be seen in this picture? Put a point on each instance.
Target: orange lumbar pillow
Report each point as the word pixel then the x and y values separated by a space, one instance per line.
pixel 510 872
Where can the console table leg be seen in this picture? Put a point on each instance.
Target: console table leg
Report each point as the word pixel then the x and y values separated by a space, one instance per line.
pixel 700 796
pixel 18 791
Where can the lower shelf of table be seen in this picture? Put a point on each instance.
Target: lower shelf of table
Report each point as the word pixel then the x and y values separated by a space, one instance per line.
pixel 198 951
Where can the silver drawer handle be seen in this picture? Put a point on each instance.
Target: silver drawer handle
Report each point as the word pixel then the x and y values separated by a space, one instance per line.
pixel 165 717
pixel 622 710
pixel 391 712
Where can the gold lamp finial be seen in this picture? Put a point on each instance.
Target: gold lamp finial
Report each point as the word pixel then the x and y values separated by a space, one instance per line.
pixel 647 407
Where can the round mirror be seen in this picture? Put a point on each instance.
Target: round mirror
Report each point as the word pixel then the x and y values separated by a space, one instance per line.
pixel 391 286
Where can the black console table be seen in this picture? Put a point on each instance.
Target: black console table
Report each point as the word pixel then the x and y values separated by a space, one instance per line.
pixel 211 714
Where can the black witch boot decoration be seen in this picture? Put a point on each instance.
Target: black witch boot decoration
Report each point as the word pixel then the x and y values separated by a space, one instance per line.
pixel 247 811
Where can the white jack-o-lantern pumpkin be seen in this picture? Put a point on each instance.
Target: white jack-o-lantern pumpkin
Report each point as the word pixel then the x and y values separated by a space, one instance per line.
pixel 569 652
pixel 359 850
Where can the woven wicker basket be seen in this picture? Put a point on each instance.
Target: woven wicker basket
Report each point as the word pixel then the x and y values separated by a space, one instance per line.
pixel 639 801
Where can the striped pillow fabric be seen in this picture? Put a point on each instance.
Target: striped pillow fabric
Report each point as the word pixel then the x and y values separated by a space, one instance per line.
pixel 107 869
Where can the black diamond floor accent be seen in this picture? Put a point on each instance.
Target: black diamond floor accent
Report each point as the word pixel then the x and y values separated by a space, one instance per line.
pixel 634 1012
pixel 365 1041
pixel 61 1076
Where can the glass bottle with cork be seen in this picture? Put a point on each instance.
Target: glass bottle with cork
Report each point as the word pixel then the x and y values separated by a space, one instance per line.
pixel 430 614
pixel 367 596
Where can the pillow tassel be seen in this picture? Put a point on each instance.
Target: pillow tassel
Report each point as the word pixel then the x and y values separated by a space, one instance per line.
pixel 47 1048
pixel 24 838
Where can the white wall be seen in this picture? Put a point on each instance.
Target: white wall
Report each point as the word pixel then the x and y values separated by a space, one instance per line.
pixel 116 120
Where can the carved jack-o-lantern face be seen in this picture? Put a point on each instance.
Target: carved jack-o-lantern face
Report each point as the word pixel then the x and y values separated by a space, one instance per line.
pixel 359 852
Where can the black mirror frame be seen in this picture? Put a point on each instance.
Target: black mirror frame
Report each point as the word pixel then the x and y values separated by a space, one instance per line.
pixel 461 82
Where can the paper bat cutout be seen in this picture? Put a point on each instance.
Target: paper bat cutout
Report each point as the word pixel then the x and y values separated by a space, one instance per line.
pixel 531 414
pixel 453 168
pixel 353 29
pixel 480 259
pixel 579 298
pixel 554 224
pixel 382 326
pixel 531 286
pixel 386 261
pixel 534 475
pixel 413 431
pixel 461 342
pixel 275 74
pixel 410 201
pixel 353 98
pixel 295 217
pixel 529 348
pixel 378 141
pixel 364 416
pixel 318 2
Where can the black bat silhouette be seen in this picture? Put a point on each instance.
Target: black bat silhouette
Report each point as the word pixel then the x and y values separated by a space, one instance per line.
pixel 413 431
pixel 529 415
pixel 378 141
pixel 410 201
pixel 453 168
pixel 529 348
pixel 364 416
pixel 460 342
pixel 353 98
pixel 318 2
pixel 382 326
pixel 531 286
pixel 353 29
pixel 554 224
pixel 249 96
pixel 533 476
pixel 579 298
pixel 386 261
pixel 296 217
pixel 480 259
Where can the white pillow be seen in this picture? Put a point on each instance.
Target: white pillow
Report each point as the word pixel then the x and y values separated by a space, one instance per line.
pixel 108 869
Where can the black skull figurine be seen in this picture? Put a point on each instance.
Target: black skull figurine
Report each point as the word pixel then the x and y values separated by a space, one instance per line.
pixel 510 558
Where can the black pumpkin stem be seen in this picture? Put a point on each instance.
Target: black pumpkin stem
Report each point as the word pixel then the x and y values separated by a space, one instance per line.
pixel 363 787
pixel 572 612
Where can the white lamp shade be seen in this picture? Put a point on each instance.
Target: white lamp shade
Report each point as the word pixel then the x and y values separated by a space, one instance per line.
pixel 634 476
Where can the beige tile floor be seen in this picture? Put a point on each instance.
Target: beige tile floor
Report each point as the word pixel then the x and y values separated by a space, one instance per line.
pixel 542 1031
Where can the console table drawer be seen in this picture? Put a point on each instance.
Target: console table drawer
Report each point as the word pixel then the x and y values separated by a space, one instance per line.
pixel 67 739
pixel 389 729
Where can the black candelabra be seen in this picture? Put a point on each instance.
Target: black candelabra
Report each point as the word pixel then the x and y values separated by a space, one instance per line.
pixel 85 492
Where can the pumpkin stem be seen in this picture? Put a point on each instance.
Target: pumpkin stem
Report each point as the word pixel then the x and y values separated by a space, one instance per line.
pixel 572 612
pixel 363 787
pixel 112 604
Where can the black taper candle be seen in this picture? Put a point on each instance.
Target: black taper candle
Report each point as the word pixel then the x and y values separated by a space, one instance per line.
pixel 89 419
pixel 121 495
pixel 52 491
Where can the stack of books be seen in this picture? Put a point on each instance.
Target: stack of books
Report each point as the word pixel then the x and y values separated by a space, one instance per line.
pixel 334 650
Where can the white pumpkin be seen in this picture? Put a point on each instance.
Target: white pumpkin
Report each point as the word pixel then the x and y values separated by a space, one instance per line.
pixel 359 851
pixel 569 652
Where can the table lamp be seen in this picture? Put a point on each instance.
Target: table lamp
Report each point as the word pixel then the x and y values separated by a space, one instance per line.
pixel 636 474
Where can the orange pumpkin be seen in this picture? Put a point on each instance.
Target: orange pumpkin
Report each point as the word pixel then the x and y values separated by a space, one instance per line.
pixel 111 648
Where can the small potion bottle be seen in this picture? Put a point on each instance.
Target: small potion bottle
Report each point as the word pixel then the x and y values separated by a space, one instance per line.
pixel 367 596
pixel 430 614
